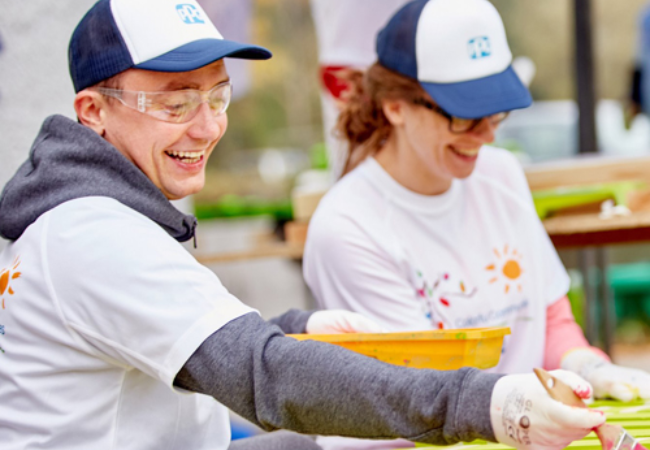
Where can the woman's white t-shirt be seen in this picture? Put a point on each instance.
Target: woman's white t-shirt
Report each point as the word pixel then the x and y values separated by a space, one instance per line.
pixel 475 256
pixel 102 310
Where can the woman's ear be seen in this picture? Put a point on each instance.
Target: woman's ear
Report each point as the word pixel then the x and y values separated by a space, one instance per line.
pixel 394 111
pixel 90 107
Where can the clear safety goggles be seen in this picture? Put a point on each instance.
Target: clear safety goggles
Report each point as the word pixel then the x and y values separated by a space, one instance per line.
pixel 174 106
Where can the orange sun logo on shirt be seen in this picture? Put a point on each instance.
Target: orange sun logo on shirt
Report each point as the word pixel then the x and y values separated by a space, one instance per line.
pixel 508 266
pixel 6 275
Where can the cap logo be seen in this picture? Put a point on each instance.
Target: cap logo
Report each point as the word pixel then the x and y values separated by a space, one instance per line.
pixel 479 47
pixel 189 13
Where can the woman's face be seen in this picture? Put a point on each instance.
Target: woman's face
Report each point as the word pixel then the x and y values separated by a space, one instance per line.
pixel 423 154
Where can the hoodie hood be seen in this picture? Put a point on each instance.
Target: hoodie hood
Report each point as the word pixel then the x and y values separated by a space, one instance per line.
pixel 69 161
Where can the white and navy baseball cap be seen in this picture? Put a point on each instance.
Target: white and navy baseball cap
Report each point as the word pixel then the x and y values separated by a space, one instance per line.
pixel 158 35
pixel 457 50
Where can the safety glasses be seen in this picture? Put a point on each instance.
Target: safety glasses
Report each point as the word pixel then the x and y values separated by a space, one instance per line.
pixel 459 125
pixel 174 106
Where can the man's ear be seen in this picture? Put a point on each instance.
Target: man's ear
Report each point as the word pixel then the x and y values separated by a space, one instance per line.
pixel 90 107
pixel 394 111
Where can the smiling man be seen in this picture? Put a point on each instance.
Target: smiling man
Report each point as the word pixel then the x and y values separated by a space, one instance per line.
pixel 112 336
pixel 173 156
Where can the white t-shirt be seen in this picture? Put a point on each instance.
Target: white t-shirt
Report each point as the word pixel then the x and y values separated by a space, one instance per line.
pixel 101 311
pixel 475 256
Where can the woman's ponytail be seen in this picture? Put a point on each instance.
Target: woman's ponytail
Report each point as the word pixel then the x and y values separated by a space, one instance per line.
pixel 362 122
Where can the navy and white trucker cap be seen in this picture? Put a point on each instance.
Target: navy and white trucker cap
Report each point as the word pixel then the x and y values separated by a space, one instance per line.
pixel 158 35
pixel 457 50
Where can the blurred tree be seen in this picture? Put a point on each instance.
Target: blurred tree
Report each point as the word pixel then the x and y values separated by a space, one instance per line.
pixel 282 109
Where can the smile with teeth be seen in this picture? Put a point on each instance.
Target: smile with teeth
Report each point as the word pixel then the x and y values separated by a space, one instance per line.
pixel 470 152
pixel 186 157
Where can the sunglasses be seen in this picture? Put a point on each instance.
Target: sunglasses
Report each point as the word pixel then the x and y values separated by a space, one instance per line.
pixel 174 106
pixel 459 125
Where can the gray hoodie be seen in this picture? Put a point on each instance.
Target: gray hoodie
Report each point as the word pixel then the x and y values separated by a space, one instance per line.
pixel 249 365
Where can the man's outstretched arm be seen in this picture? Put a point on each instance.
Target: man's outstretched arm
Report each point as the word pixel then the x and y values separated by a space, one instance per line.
pixel 317 388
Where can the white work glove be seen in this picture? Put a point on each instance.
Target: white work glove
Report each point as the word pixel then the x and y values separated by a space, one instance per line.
pixel 608 380
pixel 336 321
pixel 524 416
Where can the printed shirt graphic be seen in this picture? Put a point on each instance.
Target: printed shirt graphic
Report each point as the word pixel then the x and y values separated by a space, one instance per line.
pixel 475 256
pixel 97 337
pixel 7 280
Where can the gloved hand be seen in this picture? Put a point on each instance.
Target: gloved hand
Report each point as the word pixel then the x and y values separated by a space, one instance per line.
pixel 524 416
pixel 608 380
pixel 336 321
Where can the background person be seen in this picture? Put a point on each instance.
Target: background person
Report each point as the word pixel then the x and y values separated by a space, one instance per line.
pixel 344 32
pixel 431 229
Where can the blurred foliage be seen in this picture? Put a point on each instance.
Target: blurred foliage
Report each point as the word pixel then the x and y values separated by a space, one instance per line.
pixel 318 155
pixel 231 205
pixel 282 108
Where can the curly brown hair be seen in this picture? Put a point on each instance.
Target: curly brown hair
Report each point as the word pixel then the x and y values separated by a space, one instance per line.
pixel 362 121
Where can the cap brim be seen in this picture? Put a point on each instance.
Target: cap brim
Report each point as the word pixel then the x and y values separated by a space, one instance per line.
pixel 200 53
pixel 482 97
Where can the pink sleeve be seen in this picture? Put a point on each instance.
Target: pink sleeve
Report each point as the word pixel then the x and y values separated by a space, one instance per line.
pixel 562 334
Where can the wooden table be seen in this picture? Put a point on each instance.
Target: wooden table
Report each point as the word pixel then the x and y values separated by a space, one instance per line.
pixel 590 230
pixel 588 233
pixel 274 250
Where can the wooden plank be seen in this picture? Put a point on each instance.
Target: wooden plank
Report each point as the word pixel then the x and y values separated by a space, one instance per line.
pixel 295 232
pixel 600 238
pixel 292 251
pixel 590 230
pixel 587 170
pixel 592 223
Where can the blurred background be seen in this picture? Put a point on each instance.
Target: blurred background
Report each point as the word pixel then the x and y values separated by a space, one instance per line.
pixel 276 126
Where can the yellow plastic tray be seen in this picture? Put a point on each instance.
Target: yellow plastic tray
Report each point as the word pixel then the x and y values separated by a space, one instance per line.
pixel 436 349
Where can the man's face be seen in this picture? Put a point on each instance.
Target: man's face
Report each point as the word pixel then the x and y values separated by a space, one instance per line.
pixel 172 155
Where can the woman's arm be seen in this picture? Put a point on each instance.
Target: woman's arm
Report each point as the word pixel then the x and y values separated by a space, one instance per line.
pixel 563 334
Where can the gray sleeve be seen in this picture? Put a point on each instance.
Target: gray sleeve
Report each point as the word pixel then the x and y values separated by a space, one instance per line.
pixel 293 321
pixel 317 388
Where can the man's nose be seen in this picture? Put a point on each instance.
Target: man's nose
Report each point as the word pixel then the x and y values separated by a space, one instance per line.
pixel 205 125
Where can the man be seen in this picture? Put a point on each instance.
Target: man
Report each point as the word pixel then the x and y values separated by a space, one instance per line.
pixel 113 336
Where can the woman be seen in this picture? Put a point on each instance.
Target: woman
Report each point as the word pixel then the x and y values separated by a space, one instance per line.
pixel 430 228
